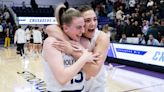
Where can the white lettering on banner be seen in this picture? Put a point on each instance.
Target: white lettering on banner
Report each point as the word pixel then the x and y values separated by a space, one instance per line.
pixel 37 20
pixel 40 20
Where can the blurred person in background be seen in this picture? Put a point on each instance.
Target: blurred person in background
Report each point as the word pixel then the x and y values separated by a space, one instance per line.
pixel 28 34
pixel 66 4
pixel 7 38
pixel 123 39
pixel 20 39
pixel 162 41
pixel 152 40
pixel 141 39
pixel 34 5
pixel 23 5
pixel 37 39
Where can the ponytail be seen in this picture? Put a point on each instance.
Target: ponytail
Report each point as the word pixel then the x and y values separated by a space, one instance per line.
pixel 64 16
pixel 60 9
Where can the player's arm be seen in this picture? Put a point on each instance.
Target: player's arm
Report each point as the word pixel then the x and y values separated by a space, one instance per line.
pixel 101 47
pixel 55 31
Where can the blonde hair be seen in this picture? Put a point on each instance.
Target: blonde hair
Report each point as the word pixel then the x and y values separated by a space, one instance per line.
pixel 64 16
pixel 59 11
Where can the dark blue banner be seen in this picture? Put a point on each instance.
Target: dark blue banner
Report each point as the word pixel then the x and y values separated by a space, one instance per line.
pixel 138 52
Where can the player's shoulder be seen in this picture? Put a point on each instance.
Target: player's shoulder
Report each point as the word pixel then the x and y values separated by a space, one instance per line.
pixel 49 40
pixel 102 35
pixel 52 26
pixel 49 27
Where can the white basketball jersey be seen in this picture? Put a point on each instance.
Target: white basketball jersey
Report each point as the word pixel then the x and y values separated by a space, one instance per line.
pixel 93 40
pixel 93 44
pixel 52 84
pixel 96 84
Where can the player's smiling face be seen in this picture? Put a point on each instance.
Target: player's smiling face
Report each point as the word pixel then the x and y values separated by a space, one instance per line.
pixel 90 19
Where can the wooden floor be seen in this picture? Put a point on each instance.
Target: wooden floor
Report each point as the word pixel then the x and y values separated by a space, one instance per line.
pixel 19 74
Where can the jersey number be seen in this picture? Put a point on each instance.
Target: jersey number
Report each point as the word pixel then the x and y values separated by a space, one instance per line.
pixel 80 79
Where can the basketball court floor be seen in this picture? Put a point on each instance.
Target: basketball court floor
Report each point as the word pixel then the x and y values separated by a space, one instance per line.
pixel 19 74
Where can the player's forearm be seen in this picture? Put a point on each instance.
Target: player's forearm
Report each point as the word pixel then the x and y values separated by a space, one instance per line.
pixel 90 70
pixel 76 54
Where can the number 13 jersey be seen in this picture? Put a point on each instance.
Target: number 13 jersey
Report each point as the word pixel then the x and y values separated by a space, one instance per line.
pixel 76 83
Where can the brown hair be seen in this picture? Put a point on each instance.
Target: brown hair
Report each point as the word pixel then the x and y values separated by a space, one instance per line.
pixel 85 8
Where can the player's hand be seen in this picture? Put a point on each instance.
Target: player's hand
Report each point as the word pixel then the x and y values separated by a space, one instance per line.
pixel 77 47
pixel 88 57
pixel 63 46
